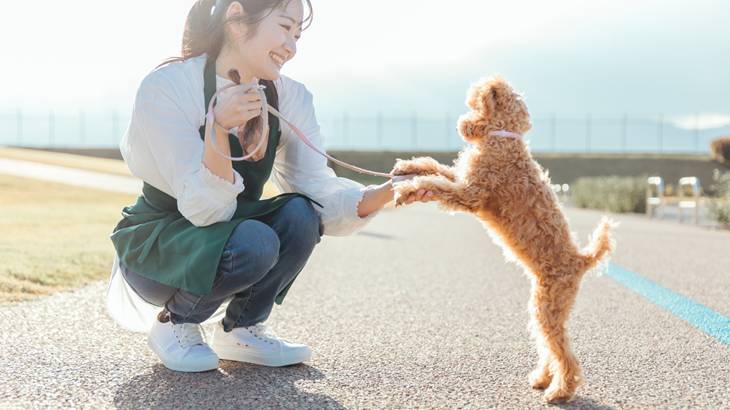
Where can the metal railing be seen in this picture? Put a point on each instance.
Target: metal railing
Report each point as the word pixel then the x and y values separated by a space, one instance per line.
pixel 378 132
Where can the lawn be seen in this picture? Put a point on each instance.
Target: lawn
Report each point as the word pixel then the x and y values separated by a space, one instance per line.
pixel 54 236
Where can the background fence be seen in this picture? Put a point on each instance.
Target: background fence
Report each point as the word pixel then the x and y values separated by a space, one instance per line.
pixel 87 128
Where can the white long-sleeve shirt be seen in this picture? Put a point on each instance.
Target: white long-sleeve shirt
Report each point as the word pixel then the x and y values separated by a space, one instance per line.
pixel 162 146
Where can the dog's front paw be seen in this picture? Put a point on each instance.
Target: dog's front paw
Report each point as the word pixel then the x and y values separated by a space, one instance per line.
pixel 415 166
pixel 402 191
pixel 403 167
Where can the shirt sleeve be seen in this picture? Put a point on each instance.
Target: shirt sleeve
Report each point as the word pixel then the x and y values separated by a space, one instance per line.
pixel 298 168
pixel 163 147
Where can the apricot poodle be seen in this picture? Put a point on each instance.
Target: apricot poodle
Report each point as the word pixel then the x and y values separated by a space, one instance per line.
pixel 497 180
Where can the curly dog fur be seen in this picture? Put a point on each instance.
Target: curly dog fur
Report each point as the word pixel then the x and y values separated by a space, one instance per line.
pixel 497 180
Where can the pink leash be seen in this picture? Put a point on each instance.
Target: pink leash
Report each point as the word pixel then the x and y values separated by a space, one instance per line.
pixel 210 120
pixel 233 74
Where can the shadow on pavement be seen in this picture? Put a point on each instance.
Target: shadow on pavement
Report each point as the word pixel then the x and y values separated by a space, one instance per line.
pixel 375 235
pixel 584 403
pixel 232 385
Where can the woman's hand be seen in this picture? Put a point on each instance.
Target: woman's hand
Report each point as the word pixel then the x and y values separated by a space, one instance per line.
pixel 235 106
pixel 421 195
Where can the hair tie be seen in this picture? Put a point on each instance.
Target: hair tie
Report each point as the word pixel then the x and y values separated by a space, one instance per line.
pixel 214 8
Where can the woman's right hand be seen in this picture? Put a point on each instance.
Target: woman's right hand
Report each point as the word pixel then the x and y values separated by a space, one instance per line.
pixel 235 106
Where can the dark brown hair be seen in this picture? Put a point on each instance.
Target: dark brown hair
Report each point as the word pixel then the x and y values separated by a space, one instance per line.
pixel 204 33
pixel 204 27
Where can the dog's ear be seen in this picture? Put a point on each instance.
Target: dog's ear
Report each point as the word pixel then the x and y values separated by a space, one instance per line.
pixel 488 95
pixel 500 93
pixel 478 98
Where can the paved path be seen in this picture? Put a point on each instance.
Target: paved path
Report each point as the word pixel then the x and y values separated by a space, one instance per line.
pixel 417 311
pixel 79 177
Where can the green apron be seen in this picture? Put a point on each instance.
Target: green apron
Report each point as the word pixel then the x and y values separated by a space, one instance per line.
pixel 156 241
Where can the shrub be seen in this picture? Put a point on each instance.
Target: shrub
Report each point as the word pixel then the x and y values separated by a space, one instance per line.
pixel 720 204
pixel 720 148
pixel 613 193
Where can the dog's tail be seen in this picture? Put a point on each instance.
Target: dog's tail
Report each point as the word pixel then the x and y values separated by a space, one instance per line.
pixel 602 243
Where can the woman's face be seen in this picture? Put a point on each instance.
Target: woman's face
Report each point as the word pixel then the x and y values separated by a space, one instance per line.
pixel 273 44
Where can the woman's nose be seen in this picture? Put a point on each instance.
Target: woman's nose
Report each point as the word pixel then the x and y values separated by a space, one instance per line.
pixel 291 48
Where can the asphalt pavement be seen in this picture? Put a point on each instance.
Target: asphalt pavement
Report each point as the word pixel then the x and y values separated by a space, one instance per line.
pixel 419 310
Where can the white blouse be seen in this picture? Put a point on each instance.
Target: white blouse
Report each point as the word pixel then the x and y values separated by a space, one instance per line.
pixel 162 146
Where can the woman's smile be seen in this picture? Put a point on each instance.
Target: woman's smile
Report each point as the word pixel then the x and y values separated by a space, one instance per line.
pixel 279 60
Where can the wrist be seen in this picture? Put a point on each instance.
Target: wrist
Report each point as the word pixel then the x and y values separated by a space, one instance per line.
pixel 374 199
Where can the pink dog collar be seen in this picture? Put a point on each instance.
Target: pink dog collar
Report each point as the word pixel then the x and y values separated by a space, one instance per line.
pixel 507 134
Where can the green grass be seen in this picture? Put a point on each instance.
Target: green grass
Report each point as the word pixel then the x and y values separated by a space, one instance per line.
pixel 613 193
pixel 54 236
pixel 720 204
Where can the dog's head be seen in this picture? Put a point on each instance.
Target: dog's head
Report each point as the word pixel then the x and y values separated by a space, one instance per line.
pixel 494 106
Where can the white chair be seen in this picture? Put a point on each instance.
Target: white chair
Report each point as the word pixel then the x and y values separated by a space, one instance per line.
pixel 655 197
pixel 562 191
pixel 689 197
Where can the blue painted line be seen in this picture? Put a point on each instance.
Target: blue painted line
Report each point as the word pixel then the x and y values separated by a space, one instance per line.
pixel 699 316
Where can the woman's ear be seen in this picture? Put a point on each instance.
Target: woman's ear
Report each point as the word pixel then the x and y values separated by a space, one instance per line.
pixel 235 13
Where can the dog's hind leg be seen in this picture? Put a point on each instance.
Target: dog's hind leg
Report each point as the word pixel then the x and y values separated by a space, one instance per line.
pixel 541 377
pixel 553 298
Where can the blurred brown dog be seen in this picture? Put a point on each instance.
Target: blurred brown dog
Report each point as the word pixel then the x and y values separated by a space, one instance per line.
pixel 497 180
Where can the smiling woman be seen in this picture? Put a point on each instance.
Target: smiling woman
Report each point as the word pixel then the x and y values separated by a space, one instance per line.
pixel 201 243
pixel 205 34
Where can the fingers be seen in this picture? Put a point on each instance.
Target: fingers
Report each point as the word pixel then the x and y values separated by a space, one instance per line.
pixel 252 96
pixel 421 195
pixel 253 108
pixel 251 103
pixel 249 98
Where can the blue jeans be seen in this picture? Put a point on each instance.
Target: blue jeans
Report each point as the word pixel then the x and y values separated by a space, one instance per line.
pixel 262 256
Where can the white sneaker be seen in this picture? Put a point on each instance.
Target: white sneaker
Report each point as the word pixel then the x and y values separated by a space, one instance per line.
pixel 257 344
pixel 181 347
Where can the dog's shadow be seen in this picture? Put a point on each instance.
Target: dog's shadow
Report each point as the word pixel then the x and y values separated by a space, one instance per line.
pixel 232 385
pixel 583 403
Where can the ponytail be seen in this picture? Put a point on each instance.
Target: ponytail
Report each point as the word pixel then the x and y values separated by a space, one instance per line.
pixel 204 25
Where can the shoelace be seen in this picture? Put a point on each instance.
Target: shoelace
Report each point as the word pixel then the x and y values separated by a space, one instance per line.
pixel 188 334
pixel 260 329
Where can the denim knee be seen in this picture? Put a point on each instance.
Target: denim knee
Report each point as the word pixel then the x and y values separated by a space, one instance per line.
pixel 300 222
pixel 252 250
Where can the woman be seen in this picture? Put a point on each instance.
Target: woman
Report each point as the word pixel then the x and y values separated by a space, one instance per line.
pixel 200 235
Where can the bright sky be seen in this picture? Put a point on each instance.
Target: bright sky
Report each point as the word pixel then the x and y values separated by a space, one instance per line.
pixel 411 52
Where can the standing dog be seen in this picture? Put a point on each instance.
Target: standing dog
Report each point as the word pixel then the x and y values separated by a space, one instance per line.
pixel 497 180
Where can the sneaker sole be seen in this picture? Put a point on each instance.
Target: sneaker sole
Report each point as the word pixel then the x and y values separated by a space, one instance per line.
pixel 235 354
pixel 180 367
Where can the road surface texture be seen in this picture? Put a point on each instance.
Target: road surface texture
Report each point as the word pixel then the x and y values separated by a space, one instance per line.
pixel 419 310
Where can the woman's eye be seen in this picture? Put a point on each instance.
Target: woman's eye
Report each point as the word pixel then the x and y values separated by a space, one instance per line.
pixel 288 28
